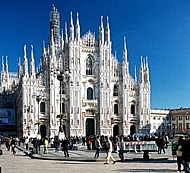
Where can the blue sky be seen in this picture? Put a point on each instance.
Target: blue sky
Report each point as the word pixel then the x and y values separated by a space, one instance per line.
pixel 159 29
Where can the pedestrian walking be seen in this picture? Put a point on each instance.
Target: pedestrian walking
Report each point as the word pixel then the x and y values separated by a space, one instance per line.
pixel 35 145
pixel 56 144
pixel 98 146
pixel 160 144
pixel 121 149
pixel 45 145
pixel 186 155
pixel 65 146
pixel 13 145
pixel 109 149
pixel 27 142
pixel 179 153
pixel 89 143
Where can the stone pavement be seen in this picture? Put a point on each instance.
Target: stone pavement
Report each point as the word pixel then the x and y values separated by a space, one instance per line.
pixel 20 163
pixel 82 154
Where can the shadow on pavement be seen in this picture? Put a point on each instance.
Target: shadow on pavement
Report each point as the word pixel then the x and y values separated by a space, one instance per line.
pixel 144 170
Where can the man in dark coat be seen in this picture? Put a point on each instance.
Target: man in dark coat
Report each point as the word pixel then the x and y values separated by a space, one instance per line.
pixel 186 155
pixel 65 146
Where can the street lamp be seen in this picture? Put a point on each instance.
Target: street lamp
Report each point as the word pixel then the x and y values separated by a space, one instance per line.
pixel 60 78
pixel 38 99
pixel 28 125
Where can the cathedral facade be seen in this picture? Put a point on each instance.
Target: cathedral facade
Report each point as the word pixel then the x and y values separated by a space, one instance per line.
pixel 79 87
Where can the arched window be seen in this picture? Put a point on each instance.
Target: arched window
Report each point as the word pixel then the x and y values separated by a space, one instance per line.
pixel 63 108
pixel 132 109
pixel 89 66
pixel 115 90
pixel 89 93
pixel 42 108
pixel 63 88
pixel 116 109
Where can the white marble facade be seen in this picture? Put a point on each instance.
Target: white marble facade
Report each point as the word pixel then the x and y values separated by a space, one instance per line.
pixel 98 96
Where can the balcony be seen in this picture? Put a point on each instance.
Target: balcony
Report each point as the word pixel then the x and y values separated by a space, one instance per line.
pixel 90 104
pixel 117 119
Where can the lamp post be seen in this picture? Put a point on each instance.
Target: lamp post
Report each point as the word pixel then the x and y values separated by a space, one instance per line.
pixel 60 78
pixel 28 125
pixel 38 99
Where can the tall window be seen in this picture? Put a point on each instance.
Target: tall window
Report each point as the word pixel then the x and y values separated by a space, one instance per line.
pixel 180 125
pixel 63 89
pixel 89 66
pixel 63 108
pixel 115 109
pixel 132 109
pixel 89 93
pixel 187 126
pixel 115 90
pixel 42 108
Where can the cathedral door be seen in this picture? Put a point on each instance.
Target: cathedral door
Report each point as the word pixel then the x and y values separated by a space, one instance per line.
pixel 43 131
pixel 132 129
pixel 89 127
pixel 115 130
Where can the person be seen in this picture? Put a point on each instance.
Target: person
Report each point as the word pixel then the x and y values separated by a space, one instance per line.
pixel 8 143
pixel 179 153
pixel 160 144
pixel 35 145
pixel 146 155
pixel 186 155
pixel 121 149
pixel 45 145
pixel 65 146
pixel 56 144
pixel 98 146
pixel 27 142
pixel 13 145
pixel 109 149
pixel 89 143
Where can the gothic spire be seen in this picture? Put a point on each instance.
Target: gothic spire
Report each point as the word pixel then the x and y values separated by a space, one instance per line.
pixel 25 62
pixel 77 28
pixel 147 71
pixel 55 25
pixel 2 64
pixel 142 71
pixel 107 31
pixel 32 63
pixel 7 69
pixel 101 31
pixel 66 34
pixel 71 28
pixel 135 77
pixel 125 51
pixel 62 40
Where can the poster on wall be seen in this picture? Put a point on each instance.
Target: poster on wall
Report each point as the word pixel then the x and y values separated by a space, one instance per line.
pixel 7 117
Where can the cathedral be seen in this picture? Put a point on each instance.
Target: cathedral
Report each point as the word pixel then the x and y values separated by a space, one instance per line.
pixel 79 87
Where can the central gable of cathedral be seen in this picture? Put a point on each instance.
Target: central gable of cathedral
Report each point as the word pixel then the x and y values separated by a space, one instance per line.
pixel 88 39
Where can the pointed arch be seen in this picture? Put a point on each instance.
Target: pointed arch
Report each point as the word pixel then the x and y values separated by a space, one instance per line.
pixel 42 108
pixel 89 65
pixel 89 93
pixel 116 109
pixel 115 90
pixel 132 109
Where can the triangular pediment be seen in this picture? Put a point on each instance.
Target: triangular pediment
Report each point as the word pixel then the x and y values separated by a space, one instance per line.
pixel 88 39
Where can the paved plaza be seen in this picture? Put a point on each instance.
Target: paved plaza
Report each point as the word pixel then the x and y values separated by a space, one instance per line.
pixel 20 163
